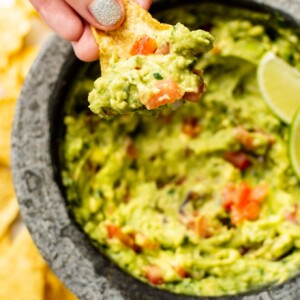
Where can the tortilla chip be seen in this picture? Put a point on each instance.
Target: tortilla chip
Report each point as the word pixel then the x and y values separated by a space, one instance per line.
pixel 5 243
pixel 14 26
pixel 6 187
pixel 23 60
pixel 11 79
pixel 67 295
pixel 7 216
pixel 22 271
pixel 54 289
pixel 116 44
pixel 6 118
pixel 9 209
pixel 10 84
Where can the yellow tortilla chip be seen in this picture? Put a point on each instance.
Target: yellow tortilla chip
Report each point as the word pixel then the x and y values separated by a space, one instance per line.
pixel 116 44
pixel 23 60
pixel 6 118
pixel 54 289
pixel 9 209
pixel 10 84
pixel 14 25
pixel 8 229
pixel 11 79
pixel 22 271
pixel 7 216
pixel 6 187
pixel 5 243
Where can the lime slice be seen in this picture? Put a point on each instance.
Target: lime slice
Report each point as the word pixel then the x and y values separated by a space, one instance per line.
pixel 279 84
pixel 294 143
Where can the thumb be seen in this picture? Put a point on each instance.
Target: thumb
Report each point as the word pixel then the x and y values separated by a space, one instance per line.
pixel 103 14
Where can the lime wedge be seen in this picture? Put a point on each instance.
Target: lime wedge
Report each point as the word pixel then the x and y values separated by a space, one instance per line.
pixel 294 143
pixel 279 84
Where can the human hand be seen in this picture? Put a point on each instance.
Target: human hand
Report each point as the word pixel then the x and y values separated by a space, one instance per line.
pixel 71 19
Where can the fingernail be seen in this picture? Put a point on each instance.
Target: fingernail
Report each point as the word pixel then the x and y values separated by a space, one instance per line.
pixel 106 12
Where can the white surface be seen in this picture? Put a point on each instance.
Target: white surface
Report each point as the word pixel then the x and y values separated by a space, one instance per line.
pixel 6 3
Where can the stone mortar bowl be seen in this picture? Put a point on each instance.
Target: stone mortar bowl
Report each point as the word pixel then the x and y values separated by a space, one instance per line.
pixel 65 247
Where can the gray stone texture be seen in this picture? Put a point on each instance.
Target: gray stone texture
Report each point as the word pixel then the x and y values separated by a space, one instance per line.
pixel 67 250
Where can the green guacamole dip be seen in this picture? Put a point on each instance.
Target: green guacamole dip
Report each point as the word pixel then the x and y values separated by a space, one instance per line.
pixel 144 83
pixel 203 200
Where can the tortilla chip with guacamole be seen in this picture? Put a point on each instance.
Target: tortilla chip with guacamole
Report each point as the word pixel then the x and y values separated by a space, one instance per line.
pixel 146 65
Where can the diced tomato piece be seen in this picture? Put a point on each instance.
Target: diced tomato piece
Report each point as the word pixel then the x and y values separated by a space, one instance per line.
pixel 192 96
pixel 154 275
pixel 191 127
pixel 145 242
pixel 239 159
pixel 132 151
pixel 244 191
pixel 195 96
pixel 126 239
pixel 251 210
pixel 229 196
pixel 243 202
pixel 144 45
pixel 182 272
pixel 199 73
pixel 113 231
pixel 163 49
pixel 165 91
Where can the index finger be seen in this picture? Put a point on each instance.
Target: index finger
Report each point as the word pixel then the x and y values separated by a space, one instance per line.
pixel 55 13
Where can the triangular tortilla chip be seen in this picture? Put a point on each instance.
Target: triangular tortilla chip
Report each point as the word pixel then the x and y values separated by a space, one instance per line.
pixel 5 243
pixel 116 44
pixel 54 289
pixel 6 118
pixel 14 26
pixel 22 271
pixel 9 208
pixel 7 216
pixel 7 193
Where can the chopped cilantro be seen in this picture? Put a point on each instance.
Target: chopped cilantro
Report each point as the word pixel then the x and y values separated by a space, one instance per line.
pixel 157 76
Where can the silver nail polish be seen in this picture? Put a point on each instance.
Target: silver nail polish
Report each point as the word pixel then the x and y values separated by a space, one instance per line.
pixel 106 12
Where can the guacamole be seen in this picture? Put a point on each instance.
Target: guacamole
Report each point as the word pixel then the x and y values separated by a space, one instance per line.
pixel 201 200
pixel 160 71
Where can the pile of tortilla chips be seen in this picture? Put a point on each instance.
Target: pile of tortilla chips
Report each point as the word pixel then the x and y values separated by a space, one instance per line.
pixel 24 275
